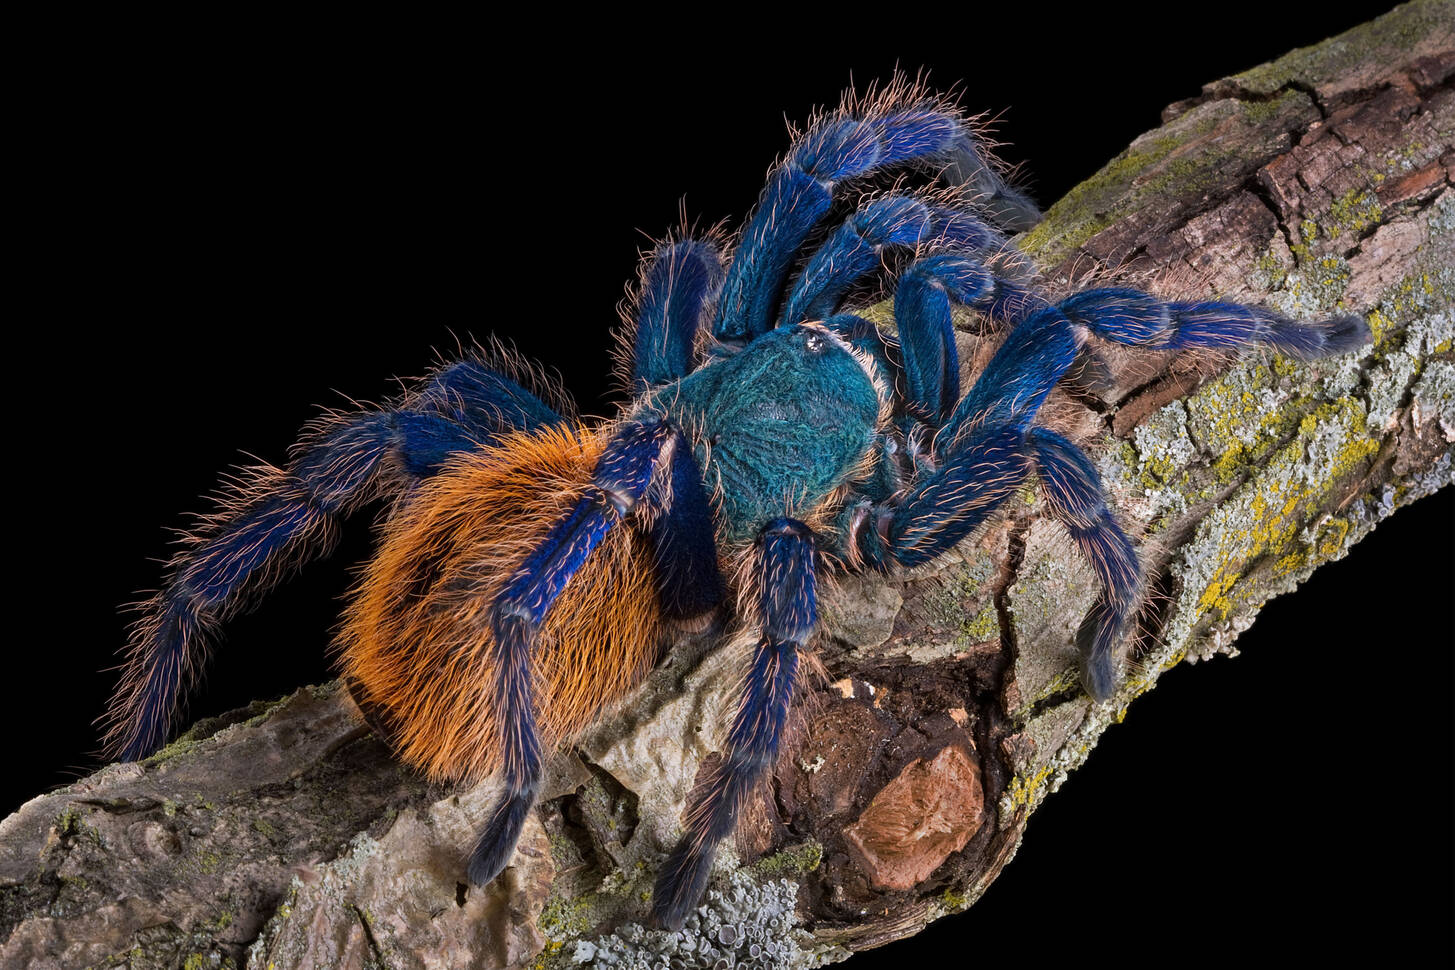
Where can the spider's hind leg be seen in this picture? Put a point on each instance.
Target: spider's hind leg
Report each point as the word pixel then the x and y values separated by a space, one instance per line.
pixel 482 401
pixel 278 519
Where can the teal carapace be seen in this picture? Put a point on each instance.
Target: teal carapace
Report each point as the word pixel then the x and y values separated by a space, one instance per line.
pixel 777 426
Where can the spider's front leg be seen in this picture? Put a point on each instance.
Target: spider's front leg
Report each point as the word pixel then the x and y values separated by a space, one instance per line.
pixel 972 481
pixel 800 192
pixel 786 615
pixel 988 446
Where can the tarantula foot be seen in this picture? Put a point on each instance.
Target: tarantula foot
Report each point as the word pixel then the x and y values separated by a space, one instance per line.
pixel 496 843
pixel 1098 634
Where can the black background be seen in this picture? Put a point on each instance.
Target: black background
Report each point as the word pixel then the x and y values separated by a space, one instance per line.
pixel 237 220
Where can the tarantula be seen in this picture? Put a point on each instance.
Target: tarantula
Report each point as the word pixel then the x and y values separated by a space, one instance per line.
pixel 531 565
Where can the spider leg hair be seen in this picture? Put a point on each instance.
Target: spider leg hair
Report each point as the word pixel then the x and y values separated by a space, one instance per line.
pixel 689 583
pixel 479 399
pixel 622 477
pixel 787 613
pixel 984 443
pixel 1073 492
pixel 800 192
pixel 934 515
pixel 923 302
pixel 1044 338
pixel 276 520
pixel 855 250
pixel 679 283
pixel 852 252
pixel 1130 316
pixel 1022 371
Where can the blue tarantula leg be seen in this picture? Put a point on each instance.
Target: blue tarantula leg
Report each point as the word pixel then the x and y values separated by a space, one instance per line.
pixel 621 478
pixel 800 192
pixel 923 304
pixel 853 252
pixel 1132 317
pixel 679 283
pixel 787 614
pixel 689 583
pixel 1013 386
pixel 279 519
pixel 961 232
pixel 981 447
pixel 983 187
pixel 855 249
pixel 967 166
pixel 1073 492
pixel 471 394
pixel 1043 346
pixel 969 484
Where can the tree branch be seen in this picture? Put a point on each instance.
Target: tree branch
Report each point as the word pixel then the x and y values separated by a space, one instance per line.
pixel 284 835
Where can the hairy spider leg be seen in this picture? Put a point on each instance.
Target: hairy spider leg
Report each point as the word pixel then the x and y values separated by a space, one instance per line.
pixel 279 519
pixel 927 290
pixel 941 509
pixel 801 190
pixel 622 477
pixel 1129 316
pixel 684 543
pixel 1073 491
pixel 485 403
pixel 679 283
pixel 1033 356
pixel 984 442
pixel 987 460
pixel 855 250
pixel 787 613
pixel 923 303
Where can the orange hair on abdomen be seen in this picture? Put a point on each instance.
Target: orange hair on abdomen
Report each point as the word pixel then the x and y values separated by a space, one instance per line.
pixel 416 643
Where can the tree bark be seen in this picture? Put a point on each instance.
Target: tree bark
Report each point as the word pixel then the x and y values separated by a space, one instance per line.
pixel 285 836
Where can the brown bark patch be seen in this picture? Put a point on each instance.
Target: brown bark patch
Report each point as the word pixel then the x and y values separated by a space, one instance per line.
pixel 917 821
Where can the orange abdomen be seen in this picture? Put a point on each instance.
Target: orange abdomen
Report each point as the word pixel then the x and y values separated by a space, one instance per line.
pixel 416 643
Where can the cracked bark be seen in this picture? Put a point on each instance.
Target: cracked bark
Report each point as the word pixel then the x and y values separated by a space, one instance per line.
pixel 284 835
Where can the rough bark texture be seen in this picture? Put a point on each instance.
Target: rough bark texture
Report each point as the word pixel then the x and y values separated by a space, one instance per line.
pixel 284 836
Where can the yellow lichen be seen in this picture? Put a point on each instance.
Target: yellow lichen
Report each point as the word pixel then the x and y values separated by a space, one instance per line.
pixel 1278 509
pixel 1354 211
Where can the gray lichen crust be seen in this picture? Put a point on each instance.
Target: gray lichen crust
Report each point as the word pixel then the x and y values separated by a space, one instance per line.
pixel 285 836
pixel 747 923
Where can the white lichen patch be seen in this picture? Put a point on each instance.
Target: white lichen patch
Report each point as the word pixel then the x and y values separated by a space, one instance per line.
pixel 1434 398
pixel 747 925
pixel 1161 449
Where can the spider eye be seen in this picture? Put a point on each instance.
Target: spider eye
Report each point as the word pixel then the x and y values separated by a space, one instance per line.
pixel 815 343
